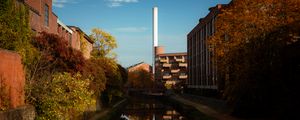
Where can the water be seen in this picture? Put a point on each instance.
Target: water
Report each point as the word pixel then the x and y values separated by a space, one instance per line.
pixel 150 108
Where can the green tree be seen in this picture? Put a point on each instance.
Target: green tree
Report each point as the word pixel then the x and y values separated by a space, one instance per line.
pixel 93 70
pixel 65 97
pixel 114 81
pixel 104 43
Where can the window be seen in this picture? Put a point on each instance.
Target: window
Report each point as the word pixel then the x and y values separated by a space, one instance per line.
pixel 70 40
pixel 46 19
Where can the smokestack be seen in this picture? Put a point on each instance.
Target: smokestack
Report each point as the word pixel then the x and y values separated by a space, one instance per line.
pixel 155 27
pixel 155 35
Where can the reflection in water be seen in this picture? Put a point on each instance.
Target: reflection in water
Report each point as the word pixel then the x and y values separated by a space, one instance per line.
pixel 150 109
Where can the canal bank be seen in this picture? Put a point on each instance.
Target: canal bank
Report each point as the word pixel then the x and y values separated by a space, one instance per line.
pixel 212 109
pixel 110 113
pixel 191 112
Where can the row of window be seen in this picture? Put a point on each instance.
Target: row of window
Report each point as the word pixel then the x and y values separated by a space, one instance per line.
pixel 201 69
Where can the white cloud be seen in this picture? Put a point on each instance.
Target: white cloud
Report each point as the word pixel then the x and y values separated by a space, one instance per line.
pixel 114 4
pixel 61 3
pixel 118 3
pixel 131 29
pixel 125 1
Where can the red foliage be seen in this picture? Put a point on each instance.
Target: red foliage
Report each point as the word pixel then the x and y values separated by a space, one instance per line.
pixel 55 51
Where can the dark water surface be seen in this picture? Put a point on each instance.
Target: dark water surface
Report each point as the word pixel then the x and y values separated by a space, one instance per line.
pixel 150 108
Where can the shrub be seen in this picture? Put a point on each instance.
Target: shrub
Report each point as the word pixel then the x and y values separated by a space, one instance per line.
pixel 65 97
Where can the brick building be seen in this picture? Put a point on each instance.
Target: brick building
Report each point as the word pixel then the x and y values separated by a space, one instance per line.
pixel 42 19
pixel 202 69
pixel 170 68
pixel 65 32
pixel 140 66
pixel 81 41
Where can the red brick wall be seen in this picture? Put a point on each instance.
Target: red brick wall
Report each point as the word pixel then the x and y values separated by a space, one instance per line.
pixel 12 76
pixel 37 16
pixel 143 66
pixel 64 34
pixel 77 43
pixel 35 4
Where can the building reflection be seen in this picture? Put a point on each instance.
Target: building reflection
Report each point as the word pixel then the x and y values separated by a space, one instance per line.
pixel 150 109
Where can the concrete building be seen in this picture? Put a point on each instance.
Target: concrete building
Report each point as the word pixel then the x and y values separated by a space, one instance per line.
pixel 170 68
pixel 202 69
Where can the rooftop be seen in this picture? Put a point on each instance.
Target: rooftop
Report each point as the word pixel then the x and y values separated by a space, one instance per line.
pixel 172 54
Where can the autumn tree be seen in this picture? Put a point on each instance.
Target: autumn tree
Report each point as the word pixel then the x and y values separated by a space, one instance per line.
pixel 64 97
pixel 104 43
pixel 54 55
pixel 140 79
pixel 249 45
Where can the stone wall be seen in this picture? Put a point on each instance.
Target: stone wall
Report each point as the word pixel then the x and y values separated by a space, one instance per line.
pixel 12 79
pixel 21 113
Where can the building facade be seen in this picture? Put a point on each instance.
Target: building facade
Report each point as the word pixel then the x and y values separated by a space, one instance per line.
pixel 170 68
pixel 81 41
pixel 202 68
pixel 140 66
pixel 64 32
pixel 42 19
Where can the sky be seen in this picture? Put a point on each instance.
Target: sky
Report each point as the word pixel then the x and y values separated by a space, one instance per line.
pixel 130 22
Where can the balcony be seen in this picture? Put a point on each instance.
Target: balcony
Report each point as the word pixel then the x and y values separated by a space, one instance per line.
pixel 166 65
pixel 175 71
pixel 182 64
pixel 163 60
pixel 170 82
pixel 183 77
pixel 179 59
pixel 167 76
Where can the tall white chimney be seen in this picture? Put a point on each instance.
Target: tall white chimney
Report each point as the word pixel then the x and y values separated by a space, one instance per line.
pixel 155 27
pixel 154 35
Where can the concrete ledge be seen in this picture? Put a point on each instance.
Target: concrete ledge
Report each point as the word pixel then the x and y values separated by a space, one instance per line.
pixel 26 112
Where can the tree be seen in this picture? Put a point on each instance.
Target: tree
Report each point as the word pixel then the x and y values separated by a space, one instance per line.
pixel 54 50
pixel 249 44
pixel 140 79
pixel 114 81
pixel 104 43
pixel 65 97
pixel 44 76
pixel 93 70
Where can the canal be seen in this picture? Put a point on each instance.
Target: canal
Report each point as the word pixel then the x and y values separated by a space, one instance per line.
pixel 150 108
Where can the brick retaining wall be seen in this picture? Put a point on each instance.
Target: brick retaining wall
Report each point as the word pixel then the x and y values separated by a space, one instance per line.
pixel 21 113
pixel 12 78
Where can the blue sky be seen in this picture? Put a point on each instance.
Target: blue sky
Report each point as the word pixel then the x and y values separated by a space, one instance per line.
pixel 130 21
